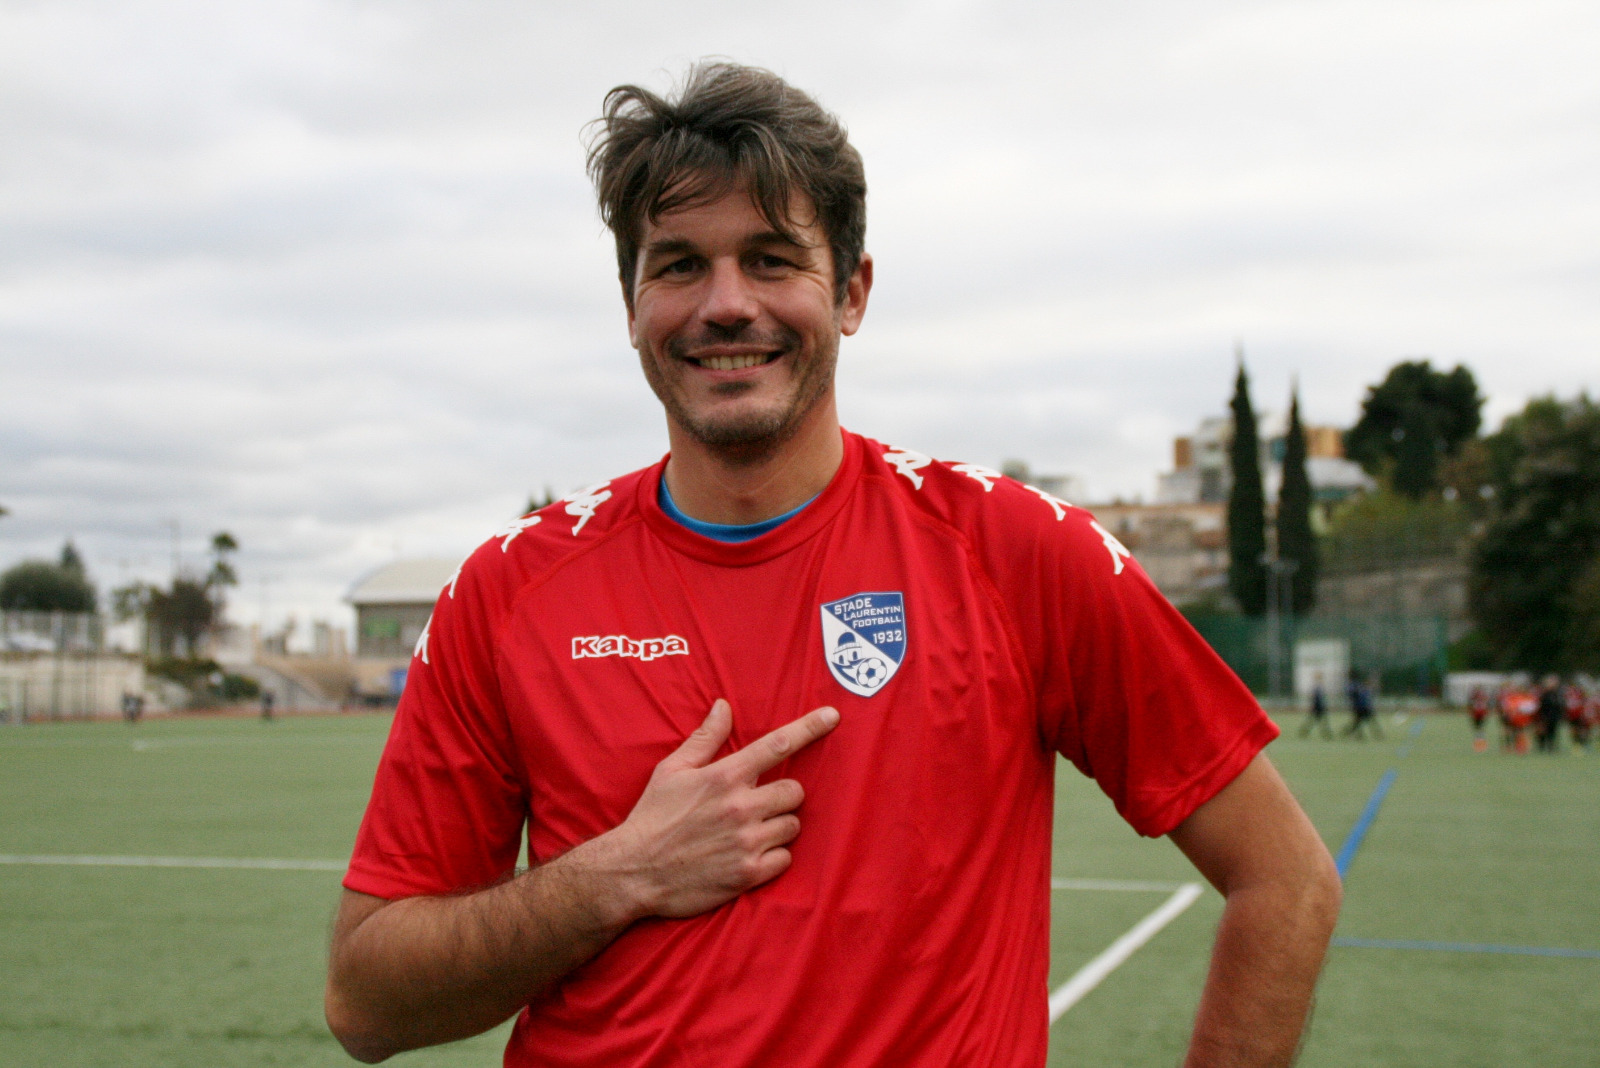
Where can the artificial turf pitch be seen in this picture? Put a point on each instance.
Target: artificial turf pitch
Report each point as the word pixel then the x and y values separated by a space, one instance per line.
pixel 136 966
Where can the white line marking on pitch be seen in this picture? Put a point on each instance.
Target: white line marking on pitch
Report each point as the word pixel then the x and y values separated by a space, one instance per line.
pixel 1113 884
pixel 268 863
pixel 1089 976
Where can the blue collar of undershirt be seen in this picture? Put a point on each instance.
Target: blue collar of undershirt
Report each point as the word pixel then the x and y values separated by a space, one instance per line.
pixel 729 532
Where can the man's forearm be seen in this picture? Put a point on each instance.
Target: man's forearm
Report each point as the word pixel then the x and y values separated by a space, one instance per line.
pixel 1256 846
pixel 1264 967
pixel 423 970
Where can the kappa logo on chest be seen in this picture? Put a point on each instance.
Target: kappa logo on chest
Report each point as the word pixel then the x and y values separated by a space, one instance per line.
pixel 864 640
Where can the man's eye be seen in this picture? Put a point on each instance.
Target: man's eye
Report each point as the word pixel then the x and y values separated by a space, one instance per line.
pixel 683 266
pixel 769 262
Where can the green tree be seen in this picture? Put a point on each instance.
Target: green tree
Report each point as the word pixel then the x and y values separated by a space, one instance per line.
pixel 1585 633
pixel 1384 531
pixel 222 574
pixel 1412 422
pixel 1535 586
pixel 1296 540
pixel 71 562
pixel 180 616
pixel 1247 505
pixel 40 586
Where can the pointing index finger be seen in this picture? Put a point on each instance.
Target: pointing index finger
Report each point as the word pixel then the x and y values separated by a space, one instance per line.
pixel 770 750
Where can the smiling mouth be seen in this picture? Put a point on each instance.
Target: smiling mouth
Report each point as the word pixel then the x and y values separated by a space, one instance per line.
pixel 734 363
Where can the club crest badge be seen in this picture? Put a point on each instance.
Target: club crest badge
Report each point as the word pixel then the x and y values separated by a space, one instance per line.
pixel 864 640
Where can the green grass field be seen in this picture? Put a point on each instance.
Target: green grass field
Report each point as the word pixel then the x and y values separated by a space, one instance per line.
pixel 139 966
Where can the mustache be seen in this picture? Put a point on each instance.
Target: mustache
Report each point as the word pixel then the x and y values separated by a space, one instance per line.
pixel 782 339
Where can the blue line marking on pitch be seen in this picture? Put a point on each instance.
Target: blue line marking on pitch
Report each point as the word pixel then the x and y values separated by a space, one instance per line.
pixel 1467 947
pixel 1358 833
pixel 1347 853
pixel 1352 842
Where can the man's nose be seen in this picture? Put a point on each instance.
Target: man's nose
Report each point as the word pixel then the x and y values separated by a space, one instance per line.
pixel 729 299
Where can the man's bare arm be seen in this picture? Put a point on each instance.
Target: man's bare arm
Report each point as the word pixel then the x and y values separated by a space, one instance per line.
pixel 418 971
pixel 1256 846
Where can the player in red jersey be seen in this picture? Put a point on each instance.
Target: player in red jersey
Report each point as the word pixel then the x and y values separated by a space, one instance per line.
pixel 1478 705
pixel 892 651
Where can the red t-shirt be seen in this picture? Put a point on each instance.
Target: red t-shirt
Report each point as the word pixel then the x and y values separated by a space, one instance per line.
pixel 967 628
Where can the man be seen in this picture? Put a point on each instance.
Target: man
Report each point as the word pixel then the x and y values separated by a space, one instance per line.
pixel 1551 709
pixel 1363 711
pixel 1318 714
pixel 666 676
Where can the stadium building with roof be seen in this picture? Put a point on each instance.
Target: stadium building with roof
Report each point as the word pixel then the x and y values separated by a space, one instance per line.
pixel 392 606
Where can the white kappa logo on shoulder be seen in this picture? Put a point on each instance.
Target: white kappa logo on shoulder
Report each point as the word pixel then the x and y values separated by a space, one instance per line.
pixel 582 504
pixel 908 462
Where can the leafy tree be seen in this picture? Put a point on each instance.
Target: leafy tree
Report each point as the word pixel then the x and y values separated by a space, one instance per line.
pixel 181 616
pixel 1411 422
pixel 178 618
pixel 222 574
pixel 1386 530
pixel 1247 507
pixel 1584 641
pixel 1296 540
pixel 40 586
pixel 1535 587
pixel 535 502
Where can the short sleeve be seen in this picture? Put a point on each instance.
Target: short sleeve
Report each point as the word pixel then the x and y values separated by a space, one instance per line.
pixel 1127 690
pixel 448 803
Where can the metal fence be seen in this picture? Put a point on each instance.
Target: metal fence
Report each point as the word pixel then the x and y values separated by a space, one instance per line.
pixel 1408 654
pixel 51 632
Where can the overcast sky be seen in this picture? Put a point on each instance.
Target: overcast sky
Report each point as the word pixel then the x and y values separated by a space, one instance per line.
pixel 328 275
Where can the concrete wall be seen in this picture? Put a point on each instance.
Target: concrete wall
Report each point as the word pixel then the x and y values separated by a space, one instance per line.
pixel 47 686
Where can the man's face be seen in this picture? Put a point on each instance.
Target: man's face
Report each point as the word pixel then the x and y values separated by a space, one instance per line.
pixel 735 324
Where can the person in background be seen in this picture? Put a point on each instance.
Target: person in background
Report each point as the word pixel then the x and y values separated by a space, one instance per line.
pixel 1478 706
pixel 1318 714
pixel 1551 711
pixel 1577 716
pixel 1363 713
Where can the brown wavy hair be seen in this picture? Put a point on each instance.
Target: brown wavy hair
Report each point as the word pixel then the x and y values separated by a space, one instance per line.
pixel 727 126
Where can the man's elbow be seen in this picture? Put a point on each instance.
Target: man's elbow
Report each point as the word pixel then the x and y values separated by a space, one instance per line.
pixel 1322 892
pixel 355 1032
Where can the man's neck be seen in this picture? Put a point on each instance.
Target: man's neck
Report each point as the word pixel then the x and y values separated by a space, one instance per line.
pixel 708 485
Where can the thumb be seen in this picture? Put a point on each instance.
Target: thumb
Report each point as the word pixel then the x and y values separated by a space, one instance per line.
pixel 702 744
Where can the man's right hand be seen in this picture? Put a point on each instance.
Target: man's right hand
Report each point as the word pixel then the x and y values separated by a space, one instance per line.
pixel 702 832
pixel 421 970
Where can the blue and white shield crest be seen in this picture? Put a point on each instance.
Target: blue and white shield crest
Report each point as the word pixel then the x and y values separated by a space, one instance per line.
pixel 864 640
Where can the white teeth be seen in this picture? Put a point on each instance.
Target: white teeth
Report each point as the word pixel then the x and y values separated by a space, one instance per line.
pixel 731 363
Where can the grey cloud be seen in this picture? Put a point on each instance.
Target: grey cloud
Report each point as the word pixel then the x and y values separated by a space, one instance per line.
pixel 328 274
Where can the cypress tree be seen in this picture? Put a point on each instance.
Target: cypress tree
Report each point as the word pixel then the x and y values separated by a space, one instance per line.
pixel 1247 505
pixel 1295 538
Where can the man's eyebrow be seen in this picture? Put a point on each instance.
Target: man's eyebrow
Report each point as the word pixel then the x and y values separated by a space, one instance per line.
pixel 677 246
pixel 777 237
pixel 669 246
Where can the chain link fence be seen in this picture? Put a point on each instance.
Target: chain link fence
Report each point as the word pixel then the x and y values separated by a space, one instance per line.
pixel 1409 654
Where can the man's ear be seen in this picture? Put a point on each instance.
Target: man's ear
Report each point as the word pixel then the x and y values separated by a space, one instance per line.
pixel 854 306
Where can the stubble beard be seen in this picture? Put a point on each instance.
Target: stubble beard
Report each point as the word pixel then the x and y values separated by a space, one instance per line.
pixel 748 437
